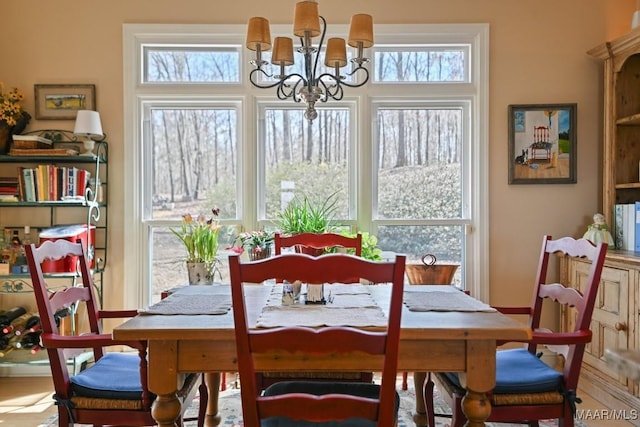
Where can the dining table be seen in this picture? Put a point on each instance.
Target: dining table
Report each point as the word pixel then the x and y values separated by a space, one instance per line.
pixel 442 330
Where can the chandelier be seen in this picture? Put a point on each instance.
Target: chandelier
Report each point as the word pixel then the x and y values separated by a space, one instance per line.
pixel 310 87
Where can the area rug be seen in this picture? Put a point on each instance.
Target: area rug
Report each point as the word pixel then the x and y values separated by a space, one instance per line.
pixel 231 411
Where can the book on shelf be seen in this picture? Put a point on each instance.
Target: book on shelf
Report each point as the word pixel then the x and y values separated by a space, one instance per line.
pixel 9 187
pixel 636 228
pixel 627 226
pixel 47 183
pixel 29 185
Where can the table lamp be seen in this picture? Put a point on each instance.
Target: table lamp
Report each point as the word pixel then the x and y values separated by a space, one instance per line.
pixel 88 126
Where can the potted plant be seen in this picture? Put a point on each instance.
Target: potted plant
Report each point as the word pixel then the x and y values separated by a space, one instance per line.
pixel 306 215
pixel 200 239
pixel 13 117
pixel 256 243
pixel 370 249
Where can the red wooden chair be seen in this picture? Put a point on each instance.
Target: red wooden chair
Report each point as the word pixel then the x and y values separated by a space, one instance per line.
pixel 316 243
pixel 527 389
pixel 287 403
pixel 111 391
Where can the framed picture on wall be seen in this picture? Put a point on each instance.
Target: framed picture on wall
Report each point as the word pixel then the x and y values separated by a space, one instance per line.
pixel 62 102
pixel 542 144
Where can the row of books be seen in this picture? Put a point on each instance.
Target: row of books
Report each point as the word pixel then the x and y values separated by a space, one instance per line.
pixel 9 188
pixel 52 183
pixel 626 226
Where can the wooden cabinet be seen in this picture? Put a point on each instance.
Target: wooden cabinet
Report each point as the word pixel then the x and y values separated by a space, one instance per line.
pixel 621 154
pixel 614 325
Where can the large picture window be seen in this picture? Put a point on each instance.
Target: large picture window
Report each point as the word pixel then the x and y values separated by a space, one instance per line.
pixel 404 153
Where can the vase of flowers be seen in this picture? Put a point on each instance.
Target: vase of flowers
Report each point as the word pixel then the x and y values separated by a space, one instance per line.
pixel 13 118
pixel 257 244
pixel 200 238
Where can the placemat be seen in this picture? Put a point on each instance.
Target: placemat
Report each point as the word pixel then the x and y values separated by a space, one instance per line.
pixel 191 303
pixel 352 305
pixel 340 295
pixel 452 300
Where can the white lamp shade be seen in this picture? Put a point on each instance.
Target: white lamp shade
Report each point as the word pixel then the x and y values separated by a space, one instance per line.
pixel 88 124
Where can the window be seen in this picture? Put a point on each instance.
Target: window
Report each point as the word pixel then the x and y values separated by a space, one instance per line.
pixel 406 153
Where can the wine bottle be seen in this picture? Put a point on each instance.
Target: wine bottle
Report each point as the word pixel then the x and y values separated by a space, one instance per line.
pixel 31 325
pixel 28 341
pixel 8 347
pixel 6 350
pixel 10 315
pixel 63 312
pixel 16 323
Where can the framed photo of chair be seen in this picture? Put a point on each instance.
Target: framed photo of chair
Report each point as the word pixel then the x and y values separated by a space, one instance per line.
pixel 542 144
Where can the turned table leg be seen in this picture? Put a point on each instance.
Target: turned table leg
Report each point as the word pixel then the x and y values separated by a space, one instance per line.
pixel 420 415
pixel 213 418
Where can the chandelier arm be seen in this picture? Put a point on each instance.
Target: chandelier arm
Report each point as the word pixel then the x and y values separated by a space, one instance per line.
pixel 284 90
pixel 366 79
pixel 333 90
pixel 295 92
pixel 254 81
pixel 319 51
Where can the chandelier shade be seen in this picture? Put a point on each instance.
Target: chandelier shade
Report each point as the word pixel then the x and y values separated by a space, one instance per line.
pixel 282 51
pixel 313 84
pixel 361 31
pixel 336 55
pixel 258 34
pixel 306 21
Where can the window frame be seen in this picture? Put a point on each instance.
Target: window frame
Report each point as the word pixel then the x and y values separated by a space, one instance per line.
pixel 364 100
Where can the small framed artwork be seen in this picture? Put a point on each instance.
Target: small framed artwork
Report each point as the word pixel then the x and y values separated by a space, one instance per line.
pixel 62 102
pixel 542 144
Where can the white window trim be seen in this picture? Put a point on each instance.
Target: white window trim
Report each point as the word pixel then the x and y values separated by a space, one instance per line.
pixel 477 231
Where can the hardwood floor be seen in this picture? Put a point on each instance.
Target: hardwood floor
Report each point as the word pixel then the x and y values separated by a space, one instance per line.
pixel 26 402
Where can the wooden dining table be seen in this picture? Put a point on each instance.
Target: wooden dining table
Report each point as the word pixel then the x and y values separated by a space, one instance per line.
pixel 430 341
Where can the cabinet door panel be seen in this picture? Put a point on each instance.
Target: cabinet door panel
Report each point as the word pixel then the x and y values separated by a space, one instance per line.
pixel 610 315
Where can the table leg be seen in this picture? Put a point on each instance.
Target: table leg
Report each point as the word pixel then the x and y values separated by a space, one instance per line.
pixel 476 407
pixel 162 381
pixel 212 419
pixel 420 416
pixel 479 378
pixel 166 409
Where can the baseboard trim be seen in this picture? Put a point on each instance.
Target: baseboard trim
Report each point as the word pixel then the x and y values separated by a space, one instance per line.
pixel 608 393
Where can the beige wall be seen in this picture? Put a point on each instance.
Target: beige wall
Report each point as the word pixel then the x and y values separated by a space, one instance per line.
pixel 537 56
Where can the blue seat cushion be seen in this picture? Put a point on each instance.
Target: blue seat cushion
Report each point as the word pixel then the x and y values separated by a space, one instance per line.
pixel 319 388
pixel 114 376
pixel 518 371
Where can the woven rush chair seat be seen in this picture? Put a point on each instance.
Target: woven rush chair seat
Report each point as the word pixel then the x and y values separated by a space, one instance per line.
pixel 521 379
pixel 113 382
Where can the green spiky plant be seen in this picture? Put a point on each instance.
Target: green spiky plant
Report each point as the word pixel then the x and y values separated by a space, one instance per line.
pixel 306 215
